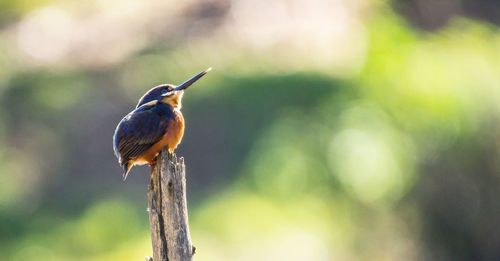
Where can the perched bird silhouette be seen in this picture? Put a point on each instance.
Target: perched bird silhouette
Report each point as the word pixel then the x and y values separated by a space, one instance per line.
pixel 156 123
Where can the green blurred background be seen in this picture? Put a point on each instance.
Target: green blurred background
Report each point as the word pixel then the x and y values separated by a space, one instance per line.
pixel 328 130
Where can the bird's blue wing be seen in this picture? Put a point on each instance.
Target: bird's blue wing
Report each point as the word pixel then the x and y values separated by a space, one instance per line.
pixel 137 132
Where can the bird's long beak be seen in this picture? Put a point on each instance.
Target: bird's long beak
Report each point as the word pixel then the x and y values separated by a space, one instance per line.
pixel 193 79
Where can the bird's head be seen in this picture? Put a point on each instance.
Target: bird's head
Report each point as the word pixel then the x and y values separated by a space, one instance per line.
pixel 168 93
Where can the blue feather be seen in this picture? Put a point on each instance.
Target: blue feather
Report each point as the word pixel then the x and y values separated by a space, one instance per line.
pixel 140 130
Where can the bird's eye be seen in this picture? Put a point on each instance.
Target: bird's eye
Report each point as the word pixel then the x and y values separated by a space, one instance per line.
pixel 164 91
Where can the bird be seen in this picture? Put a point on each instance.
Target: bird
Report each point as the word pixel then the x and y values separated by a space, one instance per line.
pixel 155 123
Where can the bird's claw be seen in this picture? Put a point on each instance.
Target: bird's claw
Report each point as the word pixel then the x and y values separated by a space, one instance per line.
pixel 152 163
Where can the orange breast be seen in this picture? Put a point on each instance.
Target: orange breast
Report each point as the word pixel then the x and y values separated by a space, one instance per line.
pixel 170 139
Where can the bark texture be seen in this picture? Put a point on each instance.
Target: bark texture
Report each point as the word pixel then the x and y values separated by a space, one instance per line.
pixel 168 217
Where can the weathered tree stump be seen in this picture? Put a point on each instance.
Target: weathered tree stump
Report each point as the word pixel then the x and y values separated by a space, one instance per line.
pixel 168 217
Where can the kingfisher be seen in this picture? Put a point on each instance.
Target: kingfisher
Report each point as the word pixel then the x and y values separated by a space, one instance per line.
pixel 154 124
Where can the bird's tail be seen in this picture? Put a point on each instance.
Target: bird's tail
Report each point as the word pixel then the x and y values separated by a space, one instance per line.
pixel 126 169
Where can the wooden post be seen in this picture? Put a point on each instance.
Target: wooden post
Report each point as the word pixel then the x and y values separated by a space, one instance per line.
pixel 168 218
